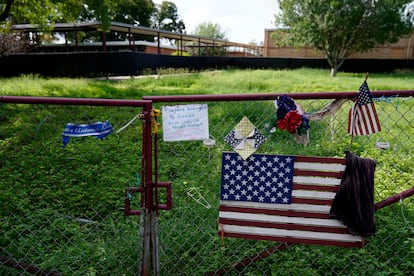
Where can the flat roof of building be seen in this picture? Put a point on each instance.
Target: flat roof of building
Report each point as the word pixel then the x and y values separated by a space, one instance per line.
pixel 138 30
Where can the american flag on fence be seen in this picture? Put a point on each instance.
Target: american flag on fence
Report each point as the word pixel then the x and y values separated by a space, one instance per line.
pixel 282 198
pixel 363 118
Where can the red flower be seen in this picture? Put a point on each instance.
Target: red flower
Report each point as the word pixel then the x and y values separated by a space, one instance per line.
pixel 291 121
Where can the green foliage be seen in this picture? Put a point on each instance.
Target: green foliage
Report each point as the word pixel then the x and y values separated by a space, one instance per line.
pixel 134 12
pixel 212 31
pixel 209 30
pixel 47 12
pixel 166 18
pixel 36 12
pixel 341 28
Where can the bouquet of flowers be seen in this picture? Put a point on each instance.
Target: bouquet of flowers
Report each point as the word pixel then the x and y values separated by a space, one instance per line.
pixel 290 117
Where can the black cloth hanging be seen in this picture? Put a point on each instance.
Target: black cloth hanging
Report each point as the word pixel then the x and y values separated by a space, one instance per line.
pixel 354 202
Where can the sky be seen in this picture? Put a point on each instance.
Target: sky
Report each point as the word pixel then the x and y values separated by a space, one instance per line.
pixel 242 21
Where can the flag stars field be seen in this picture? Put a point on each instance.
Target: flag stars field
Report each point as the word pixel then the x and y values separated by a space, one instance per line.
pixel 255 177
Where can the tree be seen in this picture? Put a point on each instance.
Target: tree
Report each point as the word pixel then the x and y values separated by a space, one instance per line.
pixel 5 9
pixel 166 18
pixel 212 31
pixel 41 12
pixel 11 43
pixel 339 28
pixel 209 30
pixel 134 12
pixel 47 12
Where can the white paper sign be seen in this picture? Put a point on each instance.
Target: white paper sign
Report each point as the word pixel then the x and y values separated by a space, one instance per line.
pixel 185 122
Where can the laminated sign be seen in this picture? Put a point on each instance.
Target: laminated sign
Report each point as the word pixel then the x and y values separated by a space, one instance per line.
pixel 185 122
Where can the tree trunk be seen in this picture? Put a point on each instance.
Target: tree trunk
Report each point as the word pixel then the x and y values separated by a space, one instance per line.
pixel 335 64
pixel 6 11
pixel 335 61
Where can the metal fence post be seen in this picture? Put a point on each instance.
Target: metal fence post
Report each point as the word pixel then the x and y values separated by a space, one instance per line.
pixel 148 187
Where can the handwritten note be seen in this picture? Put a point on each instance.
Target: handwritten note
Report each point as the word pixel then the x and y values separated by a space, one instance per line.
pixel 185 122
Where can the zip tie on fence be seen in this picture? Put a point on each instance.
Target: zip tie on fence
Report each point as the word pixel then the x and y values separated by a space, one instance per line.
pixel 195 194
pixel 391 99
pixel 42 123
pixel 137 180
pixel 137 183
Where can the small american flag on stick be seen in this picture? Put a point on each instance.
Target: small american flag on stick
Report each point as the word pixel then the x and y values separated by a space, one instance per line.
pixel 282 198
pixel 363 118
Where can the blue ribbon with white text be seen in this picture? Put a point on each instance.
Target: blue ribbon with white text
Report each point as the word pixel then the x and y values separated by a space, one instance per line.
pixel 99 130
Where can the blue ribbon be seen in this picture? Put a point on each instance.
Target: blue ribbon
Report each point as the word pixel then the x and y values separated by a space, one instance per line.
pixel 99 130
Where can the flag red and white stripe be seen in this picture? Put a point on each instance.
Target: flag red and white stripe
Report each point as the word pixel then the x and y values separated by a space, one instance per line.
pixel 363 118
pixel 306 220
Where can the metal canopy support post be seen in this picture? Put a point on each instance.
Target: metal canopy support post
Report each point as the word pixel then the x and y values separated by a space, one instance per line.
pixel 103 41
pixel 159 43
pixel 129 39
pixel 75 34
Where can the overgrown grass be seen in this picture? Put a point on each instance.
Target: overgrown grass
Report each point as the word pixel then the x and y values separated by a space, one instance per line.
pixel 214 82
pixel 63 209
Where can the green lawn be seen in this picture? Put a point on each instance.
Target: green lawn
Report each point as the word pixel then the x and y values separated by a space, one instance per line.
pixel 214 82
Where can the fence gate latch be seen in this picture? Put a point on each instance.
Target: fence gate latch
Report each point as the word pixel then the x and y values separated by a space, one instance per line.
pixel 168 195
pixel 129 191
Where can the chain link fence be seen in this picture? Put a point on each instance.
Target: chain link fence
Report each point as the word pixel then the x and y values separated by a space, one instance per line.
pixel 189 233
pixel 62 210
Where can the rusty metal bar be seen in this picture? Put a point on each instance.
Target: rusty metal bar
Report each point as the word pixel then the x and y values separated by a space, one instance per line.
pixel 256 97
pixel 168 204
pixel 394 198
pixel 74 101
pixel 148 187
pixel 154 223
pixel 130 191
pixel 27 268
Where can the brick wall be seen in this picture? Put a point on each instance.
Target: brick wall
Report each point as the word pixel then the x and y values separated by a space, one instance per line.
pixel 403 49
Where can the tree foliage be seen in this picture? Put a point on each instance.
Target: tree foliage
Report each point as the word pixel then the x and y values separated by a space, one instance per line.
pixel 212 31
pixel 136 12
pixel 209 30
pixel 166 18
pixel 40 12
pixel 339 28
pixel 5 7
pixel 47 12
